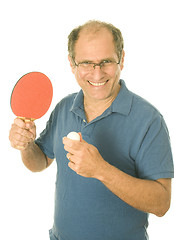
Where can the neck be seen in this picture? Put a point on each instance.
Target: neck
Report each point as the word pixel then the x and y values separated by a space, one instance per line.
pixel 94 108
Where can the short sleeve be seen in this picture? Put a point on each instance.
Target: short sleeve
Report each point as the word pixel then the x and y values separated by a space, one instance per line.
pixel 154 159
pixel 45 140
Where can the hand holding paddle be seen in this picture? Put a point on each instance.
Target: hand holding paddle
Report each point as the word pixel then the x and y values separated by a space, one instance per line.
pixel 22 133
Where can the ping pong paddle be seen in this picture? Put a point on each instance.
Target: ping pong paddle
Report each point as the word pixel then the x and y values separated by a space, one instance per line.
pixel 31 96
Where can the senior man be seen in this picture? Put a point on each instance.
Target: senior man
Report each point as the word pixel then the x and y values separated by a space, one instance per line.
pixel 121 170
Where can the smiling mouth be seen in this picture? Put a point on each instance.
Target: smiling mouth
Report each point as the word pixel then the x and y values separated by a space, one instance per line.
pixel 98 84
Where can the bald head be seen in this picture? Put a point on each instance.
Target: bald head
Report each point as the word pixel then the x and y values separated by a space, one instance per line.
pixel 91 29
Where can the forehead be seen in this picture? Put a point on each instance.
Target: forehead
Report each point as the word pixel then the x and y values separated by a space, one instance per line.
pixel 93 45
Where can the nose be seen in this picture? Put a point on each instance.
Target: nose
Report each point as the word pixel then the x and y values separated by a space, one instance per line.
pixel 97 73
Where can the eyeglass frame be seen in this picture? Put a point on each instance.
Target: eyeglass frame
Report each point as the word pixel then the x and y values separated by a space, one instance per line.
pixel 96 64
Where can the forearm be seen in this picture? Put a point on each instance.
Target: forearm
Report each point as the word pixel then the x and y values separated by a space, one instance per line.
pixel 33 158
pixel 145 195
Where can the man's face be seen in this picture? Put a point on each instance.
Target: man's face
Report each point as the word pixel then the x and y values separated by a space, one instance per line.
pixel 97 84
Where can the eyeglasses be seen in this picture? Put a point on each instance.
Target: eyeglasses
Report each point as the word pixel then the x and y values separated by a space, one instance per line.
pixel 105 65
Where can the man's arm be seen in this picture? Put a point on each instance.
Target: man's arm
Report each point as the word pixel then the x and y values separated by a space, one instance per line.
pixel 34 159
pixel 145 195
pixel 22 136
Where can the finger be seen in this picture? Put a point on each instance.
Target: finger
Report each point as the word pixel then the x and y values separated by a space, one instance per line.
pixel 21 132
pixel 32 128
pixel 29 125
pixel 70 157
pixel 67 141
pixel 28 137
pixel 23 126
pixel 71 165
pixel 19 122
pixel 75 145
pixel 20 148
pixel 18 145
pixel 19 140
pixel 71 150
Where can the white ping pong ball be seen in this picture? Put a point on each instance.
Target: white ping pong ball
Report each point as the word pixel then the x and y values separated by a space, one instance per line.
pixel 73 136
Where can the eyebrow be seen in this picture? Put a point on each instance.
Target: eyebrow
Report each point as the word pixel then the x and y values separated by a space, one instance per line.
pixel 104 59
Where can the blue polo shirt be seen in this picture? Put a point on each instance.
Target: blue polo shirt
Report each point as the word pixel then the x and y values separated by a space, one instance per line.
pixel 132 136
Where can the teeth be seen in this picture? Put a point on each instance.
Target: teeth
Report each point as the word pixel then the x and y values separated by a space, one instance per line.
pixel 97 84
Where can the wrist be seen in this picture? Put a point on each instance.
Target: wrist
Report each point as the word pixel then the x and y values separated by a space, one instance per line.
pixel 104 172
pixel 28 146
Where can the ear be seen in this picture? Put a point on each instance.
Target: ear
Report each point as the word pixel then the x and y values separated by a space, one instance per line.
pixel 71 64
pixel 122 60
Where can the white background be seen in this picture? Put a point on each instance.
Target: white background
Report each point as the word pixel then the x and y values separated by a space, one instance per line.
pixel 34 38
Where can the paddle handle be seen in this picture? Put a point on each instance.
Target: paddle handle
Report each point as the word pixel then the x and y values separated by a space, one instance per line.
pixel 27 119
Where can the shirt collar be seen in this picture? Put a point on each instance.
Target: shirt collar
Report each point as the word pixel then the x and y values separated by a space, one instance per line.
pixel 78 106
pixel 122 103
